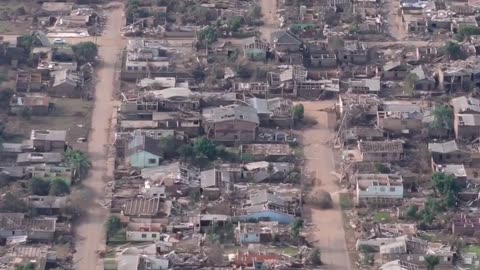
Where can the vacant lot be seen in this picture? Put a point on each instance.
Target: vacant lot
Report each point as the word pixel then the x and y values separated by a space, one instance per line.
pixel 72 115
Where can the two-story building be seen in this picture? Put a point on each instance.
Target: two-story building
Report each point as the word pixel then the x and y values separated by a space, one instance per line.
pixel 379 189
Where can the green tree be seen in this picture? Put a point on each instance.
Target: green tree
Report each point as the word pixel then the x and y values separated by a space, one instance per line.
pixel 297 227
pixel 409 83
pixel 382 168
pixel 168 145
pixel 254 13
pixel 26 266
pixel 235 23
pixel 454 51
pixel 205 147
pixel 26 113
pixel 208 35
pixel 412 212
pixel 298 112
pixel 221 234
pixel 112 226
pixel 442 117
pixel 39 186
pixel 186 152
pixel 29 41
pixel 432 261
pixel 316 257
pixel 58 187
pixel 5 97
pixel 13 204
pixel 85 51
pixel 444 183
pixel 79 161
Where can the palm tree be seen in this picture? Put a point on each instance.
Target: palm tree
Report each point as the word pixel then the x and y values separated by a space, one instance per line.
pixel 79 161
pixel 432 261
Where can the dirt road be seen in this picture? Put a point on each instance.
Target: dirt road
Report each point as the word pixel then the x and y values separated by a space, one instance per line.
pixel 270 21
pixel 327 231
pixel 89 232
pixel 396 28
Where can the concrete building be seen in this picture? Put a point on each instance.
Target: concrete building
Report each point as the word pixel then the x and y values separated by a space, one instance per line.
pixel 17 224
pixel 379 189
pixel 231 124
pixel 383 151
pixel 49 140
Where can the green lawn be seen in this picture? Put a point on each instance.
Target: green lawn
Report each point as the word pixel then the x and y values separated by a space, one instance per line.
pixel 473 249
pixel 382 217
pixel 345 201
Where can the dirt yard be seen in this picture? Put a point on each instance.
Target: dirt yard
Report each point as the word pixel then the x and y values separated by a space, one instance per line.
pixel 327 229
pixel 396 28
pixel 89 232
pixel 270 21
pixel 72 115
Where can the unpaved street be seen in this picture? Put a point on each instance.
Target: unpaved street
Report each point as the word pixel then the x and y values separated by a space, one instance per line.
pixel 89 232
pixel 396 27
pixel 327 232
pixel 270 21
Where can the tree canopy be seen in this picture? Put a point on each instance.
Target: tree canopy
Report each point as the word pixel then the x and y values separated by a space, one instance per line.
pixel 298 111
pixel 58 187
pixel 454 51
pixel 112 226
pixel 208 35
pixel 409 83
pixel 85 51
pixel 26 266
pixel 79 161
pixel 39 186
pixel 442 117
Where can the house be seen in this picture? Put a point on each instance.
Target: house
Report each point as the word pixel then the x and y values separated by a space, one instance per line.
pixel 231 123
pixel 265 205
pixel 379 189
pixel 18 224
pixel 423 82
pixel 145 229
pixel 456 170
pixel 260 233
pixel 320 56
pixel 35 104
pixel 426 54
pixel 273 111
pixel 354 52
pixel 50 172
pixel 144 151
pixel 393 71
pixel 467 126
pixel 400 116
pixel 255 49
pixel 450 152
pixel 39 158
pixel 364 86
pixel 262 170
pixel 56 8
pixel 30 81
pixel 145 56
pixel 268 152
pixel 46 205
pixel 353 135
pixel 285 41
pixel 66 83
pixel 386 151
pixel 10 151
pixel 466 225
pixel 49 140
pixel 466 105
pixel 454 78
pixel 176 98
pixel 251 260
pixel 146 207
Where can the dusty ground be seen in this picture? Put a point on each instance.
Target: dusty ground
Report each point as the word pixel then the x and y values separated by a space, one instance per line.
pixel 89 233
pixel 270 21
pixel 396 28
pixel 72 115
pixel 327 231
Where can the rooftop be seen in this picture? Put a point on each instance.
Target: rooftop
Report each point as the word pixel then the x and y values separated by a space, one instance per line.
pixel 40 157
pixel 229 113
pixel 468 119
pixel 367 180
pixel 444 147
pixel 466 105
pixel 395 146
pixel 142 207
pixel 267 149
pixel 48 135
pixel 18 221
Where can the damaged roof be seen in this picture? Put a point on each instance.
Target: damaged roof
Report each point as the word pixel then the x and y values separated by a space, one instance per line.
pixel 230 113
pixel 285 37
pixel 445 147
pixel 381 147
pixel 142 207
pixel 18 221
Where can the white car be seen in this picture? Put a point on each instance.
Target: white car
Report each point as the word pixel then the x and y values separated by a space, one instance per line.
pixel 58 41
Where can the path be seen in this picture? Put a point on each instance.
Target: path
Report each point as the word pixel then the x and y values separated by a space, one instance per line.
pixel 270 20
pixel 327 232
pixel 396 28
pixel 89 233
